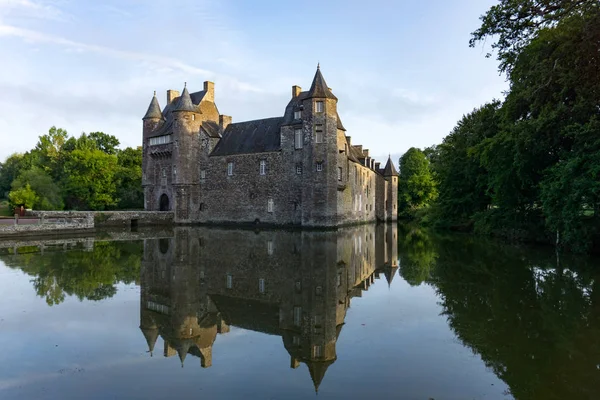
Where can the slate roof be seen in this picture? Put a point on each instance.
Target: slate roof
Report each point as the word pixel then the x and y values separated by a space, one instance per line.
pixel 319 87
pixel 257 136
pixel 185 102
pixel 211 128
pixel 153 109
pixel 249 314
pixel 389 169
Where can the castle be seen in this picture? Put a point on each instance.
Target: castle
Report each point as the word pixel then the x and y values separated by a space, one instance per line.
pixel 298 169
pixel 297 285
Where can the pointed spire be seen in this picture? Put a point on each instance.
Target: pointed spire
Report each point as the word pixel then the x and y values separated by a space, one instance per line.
pixel 317 371
pixel 389 273
pixel 153 109
pixel 185 101
pixel 151 335
pixel 182 351
pixel 319 87
pixel 389 169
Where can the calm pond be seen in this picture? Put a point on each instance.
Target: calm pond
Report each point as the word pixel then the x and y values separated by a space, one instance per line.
pixel 379 312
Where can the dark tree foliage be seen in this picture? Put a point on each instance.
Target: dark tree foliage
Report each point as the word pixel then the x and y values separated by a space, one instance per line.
pixel 514 23
pixel 529 168
pixel 416 186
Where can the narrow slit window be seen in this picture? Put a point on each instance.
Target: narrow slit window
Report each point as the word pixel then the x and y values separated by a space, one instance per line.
pixel 270 205
pixel 230 169
pixel 261 285
pixel 298 138
pixel 263 167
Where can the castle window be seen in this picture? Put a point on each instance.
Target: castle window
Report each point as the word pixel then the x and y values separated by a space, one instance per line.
pixel 298 138
pixel 319 134
pixel 230 168
pixel 164 172
pixel 317 351
pixel 229 281
pixel 202 174
pixel 339 279
pixel 164 139
pixel 339 173
pixel 317 320
pixel 319 291
pixel 296 340
pixel 320 166
pixel 270 205
pixel 297 315
pixel 297 114
pixel 193 117
pixel 174 170
pixel 319 106
pixel 299 169
pixel 261 285
pixel 263 167
pixel 270 247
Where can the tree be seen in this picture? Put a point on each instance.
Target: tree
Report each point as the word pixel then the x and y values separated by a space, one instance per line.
pixel 48 193
pixel 9 170
pixel 48 150
pixel 416 186
pixel 462 181
pixel 23 196
pixel 129 178
pixel 89 181
pixel 515 23
pixel 104 142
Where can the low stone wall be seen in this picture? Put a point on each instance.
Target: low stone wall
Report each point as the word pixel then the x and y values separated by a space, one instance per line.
pixel 62 222
pixel 132 218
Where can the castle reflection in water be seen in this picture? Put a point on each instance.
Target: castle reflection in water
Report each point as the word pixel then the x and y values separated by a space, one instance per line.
pixel 297 285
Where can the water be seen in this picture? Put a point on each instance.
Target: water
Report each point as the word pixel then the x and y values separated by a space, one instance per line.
pixel 366 312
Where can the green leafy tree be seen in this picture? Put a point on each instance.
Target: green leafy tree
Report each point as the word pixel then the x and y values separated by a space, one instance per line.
pixel 89 181
pixel 104 142
pixel 416 186
pixel 48 151
pixel 462 181
pixel 129 178
pixel 48 193
pixel 515 23
pixel 23 196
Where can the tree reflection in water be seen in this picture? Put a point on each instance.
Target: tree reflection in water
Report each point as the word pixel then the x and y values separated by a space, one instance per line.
pixel 533 317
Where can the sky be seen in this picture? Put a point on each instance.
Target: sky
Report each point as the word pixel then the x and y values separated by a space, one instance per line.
pixel 402 70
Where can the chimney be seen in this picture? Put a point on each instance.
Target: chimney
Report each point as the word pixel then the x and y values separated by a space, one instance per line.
pixel 348 139
pixel 172 95
pixel 224 121
pixel 377 166
pixel 366 153
pixel 209 88
pixel 372 163
pixel 296 91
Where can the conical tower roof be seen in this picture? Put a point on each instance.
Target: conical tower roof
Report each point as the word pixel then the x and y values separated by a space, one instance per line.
pixel 185 102
pixel 389 273
pixel 151 335
pixel 319 87
pixel 389 169
pixel 317 371
pixel 153 109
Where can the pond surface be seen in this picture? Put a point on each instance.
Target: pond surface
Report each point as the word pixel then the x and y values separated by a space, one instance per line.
pixel 367 312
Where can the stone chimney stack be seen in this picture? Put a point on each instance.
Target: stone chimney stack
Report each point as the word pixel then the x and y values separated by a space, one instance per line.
pixel 377 166
pixel 366 153
pixel 296 91
pixel 224 121
pixel 209 88
pixel 172 95
pixel 349 140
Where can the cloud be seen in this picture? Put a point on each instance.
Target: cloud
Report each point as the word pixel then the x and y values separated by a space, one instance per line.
pixel 30 9
pixel 38 37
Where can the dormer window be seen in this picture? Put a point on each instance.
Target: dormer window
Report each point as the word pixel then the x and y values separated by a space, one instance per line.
pixel 297 114
pixel 319 106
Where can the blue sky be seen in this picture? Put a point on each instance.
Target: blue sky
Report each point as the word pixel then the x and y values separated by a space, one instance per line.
pixel 402 70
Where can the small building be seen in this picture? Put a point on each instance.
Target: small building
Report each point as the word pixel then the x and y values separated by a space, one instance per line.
pixel 298 169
